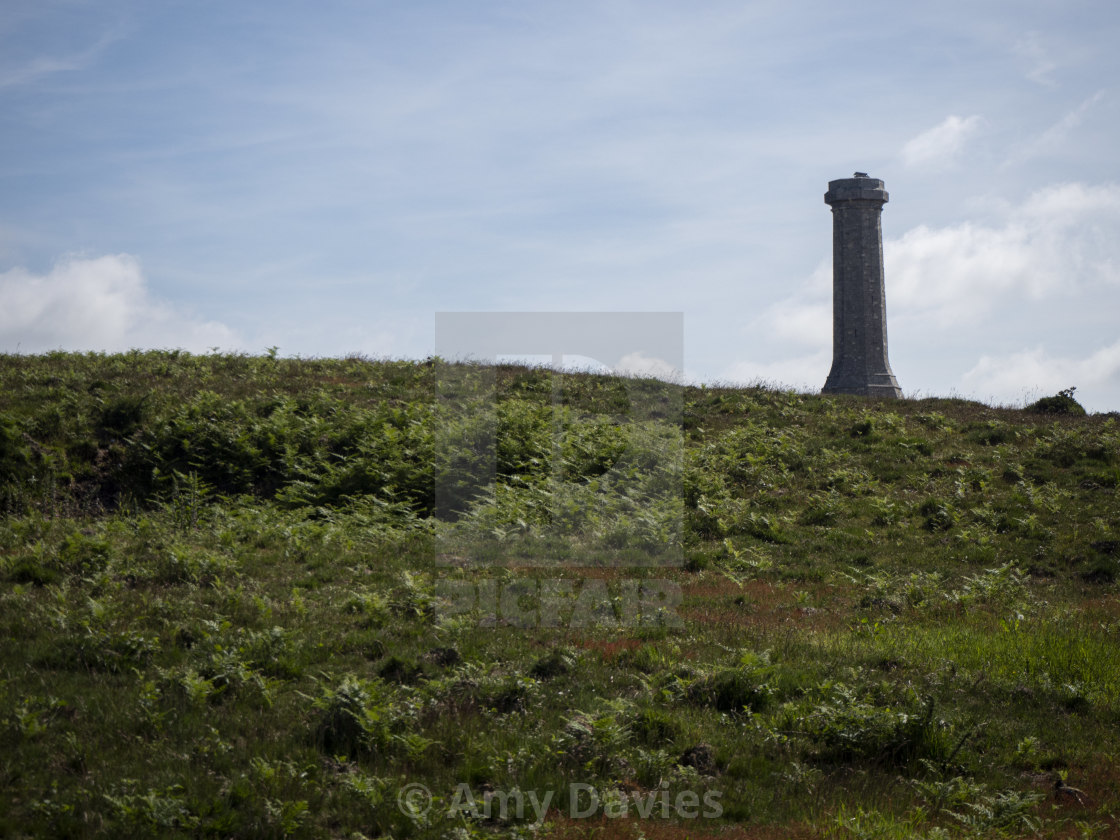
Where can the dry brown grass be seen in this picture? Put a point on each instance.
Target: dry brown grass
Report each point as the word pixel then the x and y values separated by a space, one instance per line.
pixel 764 605
pixel 631 828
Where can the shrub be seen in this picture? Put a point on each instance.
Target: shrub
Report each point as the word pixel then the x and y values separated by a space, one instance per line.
pixel 847 728
pixel 121 416
pixel 732 690
pixel 272 652
pixel 1061 403
pixel 104 650
pixel 1004 586
pixel 993 433
pixel 555 664
pixel 351 721
pixel 398 670
pixel 18 462
pixel 598 740
pixel 939 515
pixel 505 695
pixel 33 570
pixel 654 728
pixel 84 554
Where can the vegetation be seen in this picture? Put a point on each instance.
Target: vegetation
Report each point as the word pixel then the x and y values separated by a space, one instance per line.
pixel 231 609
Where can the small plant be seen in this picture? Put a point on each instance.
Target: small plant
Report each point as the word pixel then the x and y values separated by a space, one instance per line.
pixel 823 509
pixel 646 658
pixel 883 590
pixel 598 740
pixel 354 719
pixel 183 565
pixel 654 727
pixel 198 689
pixel 1028 752
pixel 858 824
pixel 939 515
pixel 273 652
pixel 862 429
pixel 1007 810
pixel 84 554
pixel 110 651
pixel 413 597
pixel 398 670
pixel 506 695
pixel 187 498
pixel 1003 586
pixel 557 663
pixel 31 718
pixel 154 809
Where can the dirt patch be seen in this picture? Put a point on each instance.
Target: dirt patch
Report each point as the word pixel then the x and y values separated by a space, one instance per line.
pixel 1100 608
pixel 764 605
pixel 1098 783
pixel 624 828
pixel 608 649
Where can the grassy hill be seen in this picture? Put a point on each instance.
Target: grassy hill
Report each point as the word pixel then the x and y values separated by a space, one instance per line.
pixel 230 610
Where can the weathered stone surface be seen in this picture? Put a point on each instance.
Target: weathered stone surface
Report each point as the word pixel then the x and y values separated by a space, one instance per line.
pixel 859 314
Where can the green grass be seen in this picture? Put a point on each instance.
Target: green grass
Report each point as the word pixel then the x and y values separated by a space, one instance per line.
pixel 230 611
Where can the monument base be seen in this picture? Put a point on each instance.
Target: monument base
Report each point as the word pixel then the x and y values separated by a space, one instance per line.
pixel 880 385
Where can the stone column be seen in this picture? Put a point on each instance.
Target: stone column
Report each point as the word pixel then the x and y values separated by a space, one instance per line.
pixel 859 312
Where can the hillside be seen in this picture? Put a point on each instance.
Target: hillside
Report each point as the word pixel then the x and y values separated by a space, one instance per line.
pixel 232 609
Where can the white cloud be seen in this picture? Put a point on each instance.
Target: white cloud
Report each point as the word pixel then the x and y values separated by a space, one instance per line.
pixel 38 67
pixel 639 364
pixel 1062 239
pixel 799 328
pixel 941 143
pixel 802 373
pixel 1056 136
pixel 1070 204
pixel 1028 374
pixel 803 319
pixel 99 303
pixel 1040 66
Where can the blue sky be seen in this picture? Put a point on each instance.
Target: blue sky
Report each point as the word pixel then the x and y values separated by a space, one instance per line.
pixel 324 177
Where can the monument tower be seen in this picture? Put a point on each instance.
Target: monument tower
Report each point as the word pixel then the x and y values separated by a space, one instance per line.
pixel 859 311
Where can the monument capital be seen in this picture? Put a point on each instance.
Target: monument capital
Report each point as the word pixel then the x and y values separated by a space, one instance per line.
pixel 860 187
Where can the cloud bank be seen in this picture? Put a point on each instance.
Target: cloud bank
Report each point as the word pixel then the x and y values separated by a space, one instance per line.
pixel 1004 376
pixel 1058 241
pixel 99 303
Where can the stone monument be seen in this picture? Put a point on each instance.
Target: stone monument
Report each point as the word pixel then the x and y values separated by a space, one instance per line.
pixel 859 311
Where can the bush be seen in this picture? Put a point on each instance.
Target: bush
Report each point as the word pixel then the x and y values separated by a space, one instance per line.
pixel 654 728
pixel 84 554
pixel 846 728
pixel 731 690
pixel 1061 403
pixel 17 465
pixel 102 650
pixel 939 515
pixel 352 722
pixel 555 664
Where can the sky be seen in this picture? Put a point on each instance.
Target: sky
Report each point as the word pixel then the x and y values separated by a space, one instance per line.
pixel 323 178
